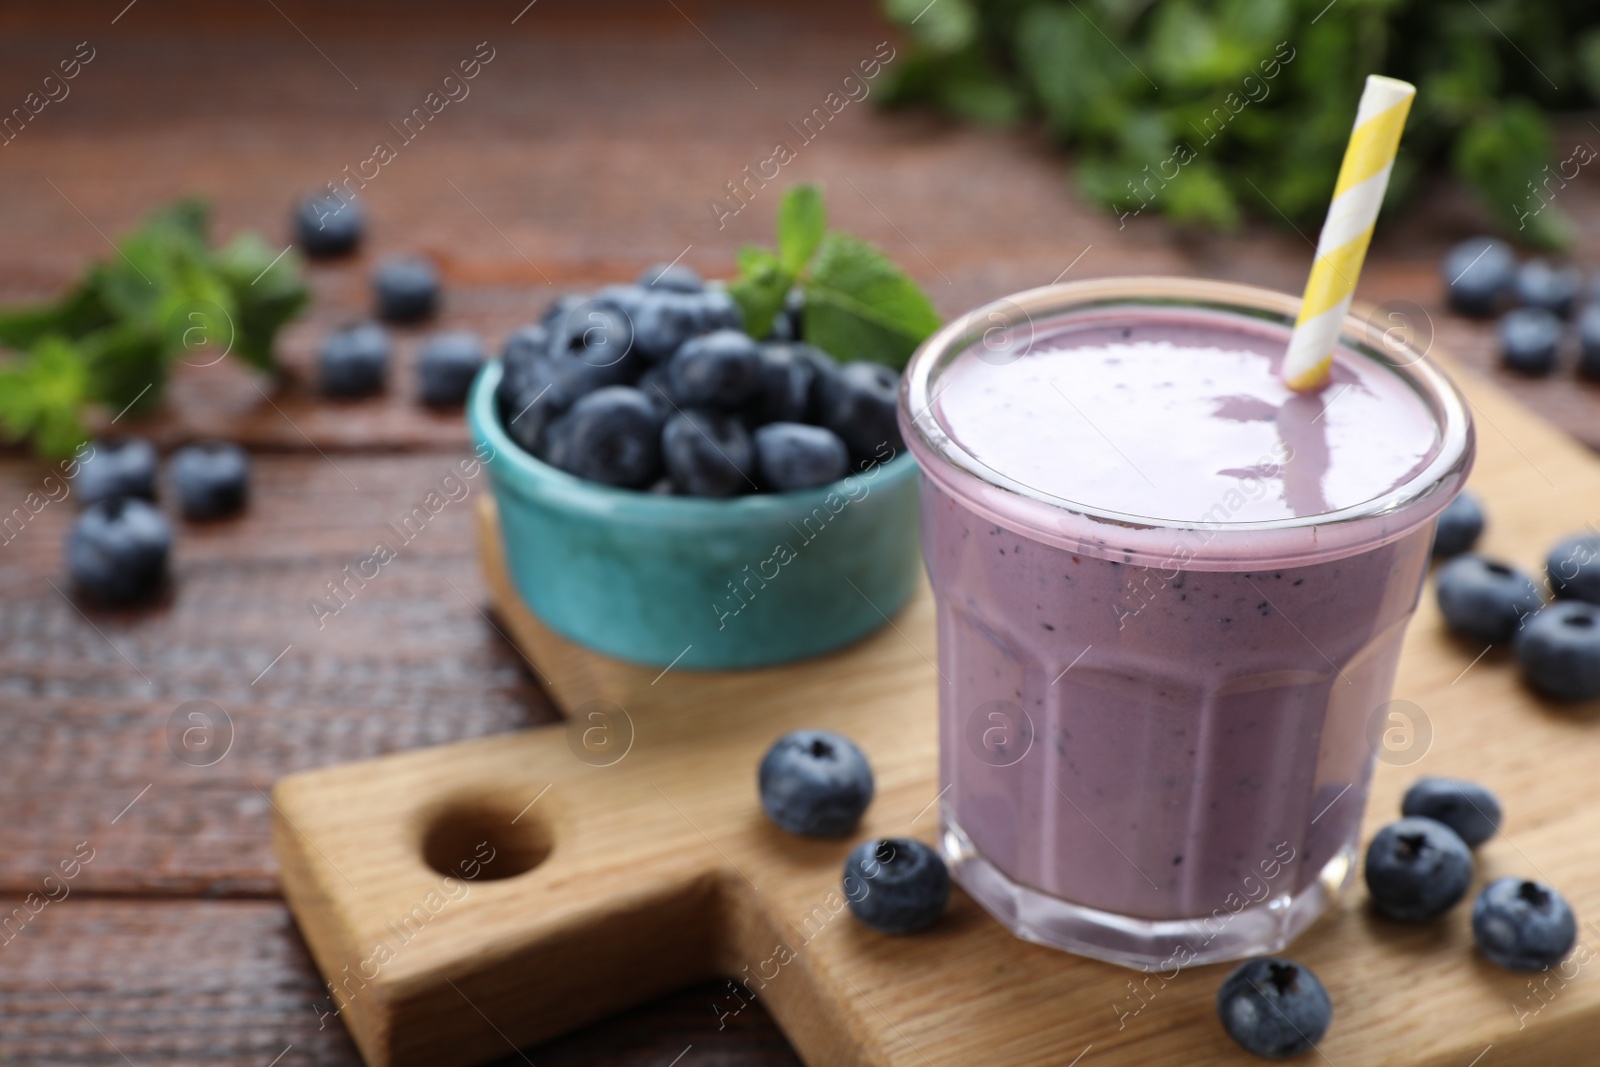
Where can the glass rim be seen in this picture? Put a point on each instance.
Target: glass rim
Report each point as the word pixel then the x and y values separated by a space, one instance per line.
pixel 941 455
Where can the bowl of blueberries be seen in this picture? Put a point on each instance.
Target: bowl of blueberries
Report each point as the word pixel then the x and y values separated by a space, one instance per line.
pixel 673 491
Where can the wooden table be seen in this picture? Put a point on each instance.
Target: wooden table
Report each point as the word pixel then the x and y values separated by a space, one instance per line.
pixel 589 146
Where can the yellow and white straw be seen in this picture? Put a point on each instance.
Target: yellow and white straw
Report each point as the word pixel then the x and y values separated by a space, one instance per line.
pixel 1363 178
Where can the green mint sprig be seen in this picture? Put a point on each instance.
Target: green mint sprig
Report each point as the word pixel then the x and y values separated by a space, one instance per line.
pixel 858 303
pixel 112 338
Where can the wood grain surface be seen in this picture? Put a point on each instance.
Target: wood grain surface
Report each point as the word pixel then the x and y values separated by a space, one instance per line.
pixel 651 844
pixel 588 149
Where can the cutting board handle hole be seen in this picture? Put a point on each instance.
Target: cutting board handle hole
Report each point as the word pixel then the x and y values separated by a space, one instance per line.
pixel 480 839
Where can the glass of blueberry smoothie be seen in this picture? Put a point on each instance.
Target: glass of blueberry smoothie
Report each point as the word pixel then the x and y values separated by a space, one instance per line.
pixel 1171 595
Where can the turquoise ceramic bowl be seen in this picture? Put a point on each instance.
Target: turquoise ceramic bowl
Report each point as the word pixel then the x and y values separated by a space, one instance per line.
pixel 706 584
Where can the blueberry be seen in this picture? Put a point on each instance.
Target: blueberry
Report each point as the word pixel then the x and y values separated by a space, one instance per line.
pixel 1537 284
pixel 117 467
pixel 1477 272
pixel 212 479
pixel 1460 525
pixel 815 783
pixel 611 436
pixel 524 343
pixel 599 334
pixel 354 361
pixel 791 455
pixel 896 885
pixel 1559 651
pixel 1589 343
pixel 708 454
pixel 1485 599
pixel 447 365
pixel 717 310
pixel 117 550
pixel 627 299
pixel 1274 1008
pixel 1417 869
pixel 672 276
pixel 720 369
pixel 328 225
pixel 789 323
pixel 1573 568
pixel 1522 925
pixel 1528 340
pixel 858 403
pixel 561 307
pixel 653 384
pixel 664 321
pixel 407 288
pixel 1466 807
pixel 787 376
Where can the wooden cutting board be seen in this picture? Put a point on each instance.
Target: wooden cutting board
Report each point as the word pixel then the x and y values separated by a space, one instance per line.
pixel 626 855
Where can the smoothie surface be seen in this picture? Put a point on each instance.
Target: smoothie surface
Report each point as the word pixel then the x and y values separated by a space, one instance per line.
pixel 1184 420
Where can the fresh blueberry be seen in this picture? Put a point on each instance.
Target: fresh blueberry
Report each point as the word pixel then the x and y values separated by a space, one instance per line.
pixel 328 226
pixel 1528 340
pixel 794 456
pixel 447 365
pixel 212 479
pixel 117 467
pixel 524 343
pixel 720 369
pixel 1484 599
pixel 407 288
pixel 786 380
pixel 611 436
pixel 1559 651
pixel 1476 273
pixel 708 454
pixel 1522 925
pixel 671 276
pixel 354 361
pixel 653 384
pixel 561 307
pixel 858 404
pixel 824 368
pixel 627 299
pixel 665 319
pixel 1589 343
pixel 718 310
pixel 1417 869
pixel 1539 285
pixel 1573 568
pixel 896 885
pixel 1466 807
pixel 789 323
pixel 815 783
pixel 117 550
pixel 1460 525
pixel 1274 1008
pixel 599 334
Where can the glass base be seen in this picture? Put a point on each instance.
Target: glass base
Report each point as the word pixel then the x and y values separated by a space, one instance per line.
pixel 1143 944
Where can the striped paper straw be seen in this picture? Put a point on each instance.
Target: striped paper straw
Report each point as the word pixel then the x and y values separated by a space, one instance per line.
pixel 1363 177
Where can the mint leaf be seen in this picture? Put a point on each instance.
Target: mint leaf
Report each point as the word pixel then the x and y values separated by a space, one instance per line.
pixel 942 26
pixel 802 220
pixel 40 396
pixel 859 305
pixel 759 289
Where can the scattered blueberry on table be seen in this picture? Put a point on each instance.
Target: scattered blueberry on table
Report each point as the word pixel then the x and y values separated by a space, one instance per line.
pixel 354 360
pixel 1573 568
pixel 1559 651
pixel 896 885
pixel 1589 343
pixel 1466 807
pixel 1485 599
pixel 815 783
pixel 446 366
pixel 326 226
pixel 1460 525
pixel 1529 337
pixel 212 479
pixel 407 289
pixel 117 550
pixel 1523 925
pixel 1476 273
pixel 1539 285
pixel 1274 1008
pixel 118 467
pixel 1417 869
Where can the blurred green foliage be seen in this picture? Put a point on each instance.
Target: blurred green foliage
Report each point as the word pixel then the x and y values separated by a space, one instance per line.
pixel 1259 95
pixel 111 339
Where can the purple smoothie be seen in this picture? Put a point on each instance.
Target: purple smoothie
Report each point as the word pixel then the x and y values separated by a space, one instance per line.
pixel 1167 615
